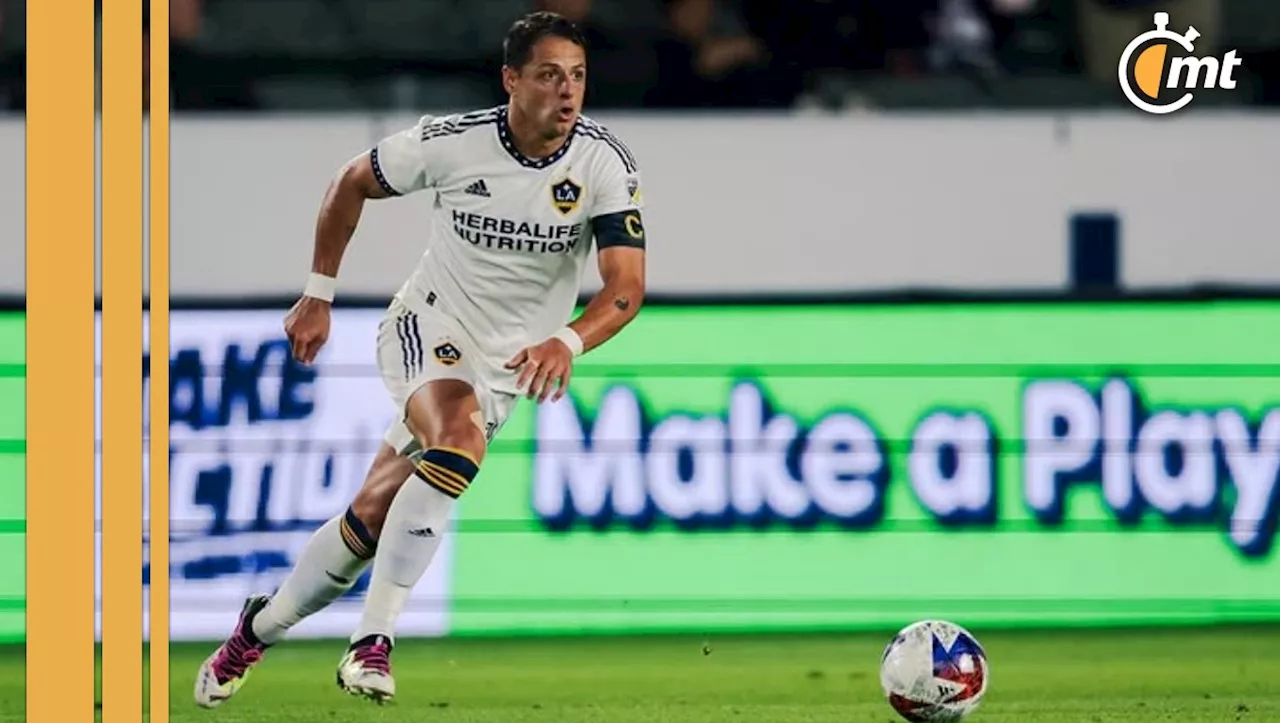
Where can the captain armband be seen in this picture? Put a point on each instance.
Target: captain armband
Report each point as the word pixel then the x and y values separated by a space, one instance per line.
pixel 624 228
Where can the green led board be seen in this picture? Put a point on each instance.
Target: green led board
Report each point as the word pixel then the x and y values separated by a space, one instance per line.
pixel 13 455
pixel 819 467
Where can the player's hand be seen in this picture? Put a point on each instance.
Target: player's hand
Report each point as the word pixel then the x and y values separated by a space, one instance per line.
pixel 544 368
pixel 307 326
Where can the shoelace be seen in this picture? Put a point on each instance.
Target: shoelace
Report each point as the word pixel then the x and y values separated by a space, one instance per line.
pixel 235 658
pixel 375 657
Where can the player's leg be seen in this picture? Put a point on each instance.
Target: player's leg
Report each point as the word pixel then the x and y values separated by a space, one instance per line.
pixel 333 559
pixel 338 553
pixel 445 417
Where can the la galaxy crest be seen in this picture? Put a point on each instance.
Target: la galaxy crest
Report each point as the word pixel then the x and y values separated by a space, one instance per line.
pixel 447 354
pixel 566 194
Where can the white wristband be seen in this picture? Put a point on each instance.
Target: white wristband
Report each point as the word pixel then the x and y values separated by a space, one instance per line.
pixel 320 287
pixel 570 339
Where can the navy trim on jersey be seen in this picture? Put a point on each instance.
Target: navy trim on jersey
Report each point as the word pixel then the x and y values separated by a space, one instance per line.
pixel 508 142
pixel 595 131
pixel 624 228
pixel 377 173
pixel 455 124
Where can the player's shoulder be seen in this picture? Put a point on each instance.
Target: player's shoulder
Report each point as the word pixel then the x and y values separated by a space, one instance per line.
pixel 456 125
pixel 598 138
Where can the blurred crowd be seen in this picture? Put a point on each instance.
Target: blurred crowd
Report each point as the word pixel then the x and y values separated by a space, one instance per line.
pixel 335 54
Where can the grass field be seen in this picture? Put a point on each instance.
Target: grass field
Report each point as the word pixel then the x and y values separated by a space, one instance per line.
pixel 1230 674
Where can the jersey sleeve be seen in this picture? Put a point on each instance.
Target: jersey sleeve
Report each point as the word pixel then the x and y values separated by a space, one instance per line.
pixel 407 161
pixel 616 214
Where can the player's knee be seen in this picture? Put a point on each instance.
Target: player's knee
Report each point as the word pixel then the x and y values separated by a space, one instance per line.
pixel 464 436
pixel 452 459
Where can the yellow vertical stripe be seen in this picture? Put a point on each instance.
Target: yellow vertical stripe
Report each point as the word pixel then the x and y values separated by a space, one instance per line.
pixel 159 344
pixel 122 448
pixel 60 360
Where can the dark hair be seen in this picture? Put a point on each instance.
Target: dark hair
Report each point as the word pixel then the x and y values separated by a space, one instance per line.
pixel 527 31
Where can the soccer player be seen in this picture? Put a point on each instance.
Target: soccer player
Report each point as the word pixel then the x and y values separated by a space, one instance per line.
pixel 520 191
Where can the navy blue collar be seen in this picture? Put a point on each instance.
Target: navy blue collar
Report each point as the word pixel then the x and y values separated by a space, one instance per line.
pixel 507 139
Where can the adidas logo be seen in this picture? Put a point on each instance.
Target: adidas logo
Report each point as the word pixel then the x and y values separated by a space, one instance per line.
pixel 478 189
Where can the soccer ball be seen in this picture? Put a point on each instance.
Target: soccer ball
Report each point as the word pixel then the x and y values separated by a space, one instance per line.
pixel 934 671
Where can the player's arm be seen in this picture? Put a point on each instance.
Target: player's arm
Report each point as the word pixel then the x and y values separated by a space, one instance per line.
pixel 621 255
pixel 544 370
pixel 340 211
pixel 396 166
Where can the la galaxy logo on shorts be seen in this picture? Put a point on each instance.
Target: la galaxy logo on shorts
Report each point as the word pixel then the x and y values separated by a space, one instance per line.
pixel 447 354
pixel 565 195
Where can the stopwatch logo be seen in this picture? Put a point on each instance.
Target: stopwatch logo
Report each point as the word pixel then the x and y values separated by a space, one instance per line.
pixel 1153 64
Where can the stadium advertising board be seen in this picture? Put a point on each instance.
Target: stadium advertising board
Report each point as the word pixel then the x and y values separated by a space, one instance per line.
pixel 842 466
pixel 262 451
pixel 722 468
pixel 13 450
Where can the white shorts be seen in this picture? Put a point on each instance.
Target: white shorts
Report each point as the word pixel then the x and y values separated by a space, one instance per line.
pixel 415 348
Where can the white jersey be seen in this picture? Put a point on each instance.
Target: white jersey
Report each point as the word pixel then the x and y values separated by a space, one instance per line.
pixel 509 235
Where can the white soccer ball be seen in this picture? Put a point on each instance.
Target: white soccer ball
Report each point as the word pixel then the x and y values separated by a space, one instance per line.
pixel 934 671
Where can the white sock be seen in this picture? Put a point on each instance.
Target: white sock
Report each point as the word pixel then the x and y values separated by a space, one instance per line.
pixel 410 537
pixel 326 569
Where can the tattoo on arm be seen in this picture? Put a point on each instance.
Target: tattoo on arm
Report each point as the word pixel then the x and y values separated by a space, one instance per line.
pixel 622 302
